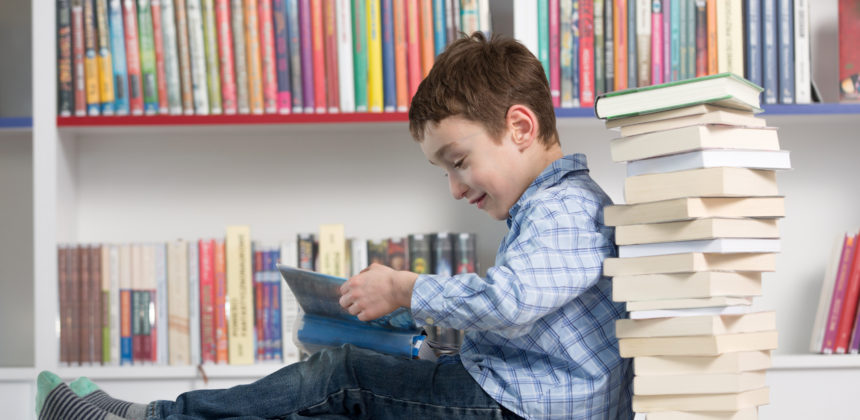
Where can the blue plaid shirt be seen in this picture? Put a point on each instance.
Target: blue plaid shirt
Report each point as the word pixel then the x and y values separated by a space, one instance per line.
pixel 541 326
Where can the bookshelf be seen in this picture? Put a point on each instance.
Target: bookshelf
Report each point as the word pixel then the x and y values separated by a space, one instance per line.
pixel 147 178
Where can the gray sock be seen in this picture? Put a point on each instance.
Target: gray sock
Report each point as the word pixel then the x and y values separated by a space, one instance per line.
pixel 63 404
pixel 91 393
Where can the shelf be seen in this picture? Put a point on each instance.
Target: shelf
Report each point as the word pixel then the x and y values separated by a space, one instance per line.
pixel 169 372
pixel 815 361
pixel 17 374
pixel 220 120
pixel 16 123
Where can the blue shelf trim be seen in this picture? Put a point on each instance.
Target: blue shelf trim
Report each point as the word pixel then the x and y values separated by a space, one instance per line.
pixel 787 109
pixel 16 122
pixel 574 112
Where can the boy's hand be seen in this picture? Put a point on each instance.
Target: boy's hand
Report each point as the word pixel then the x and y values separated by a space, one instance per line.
pixel 377 290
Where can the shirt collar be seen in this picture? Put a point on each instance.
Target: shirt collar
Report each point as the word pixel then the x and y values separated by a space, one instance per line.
pixel 550 176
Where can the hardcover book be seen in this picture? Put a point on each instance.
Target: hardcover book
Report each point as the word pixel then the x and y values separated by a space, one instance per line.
pixel 694 207
pixel 704 284
pixel 736 362
pixel 687 139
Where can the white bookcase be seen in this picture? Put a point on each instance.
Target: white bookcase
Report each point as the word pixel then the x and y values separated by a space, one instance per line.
pixel 156 183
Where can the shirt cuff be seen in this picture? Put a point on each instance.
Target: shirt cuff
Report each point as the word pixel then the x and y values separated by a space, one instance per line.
pixel 426 288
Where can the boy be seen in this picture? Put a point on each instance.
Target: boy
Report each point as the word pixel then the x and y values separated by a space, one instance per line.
pixel 540 339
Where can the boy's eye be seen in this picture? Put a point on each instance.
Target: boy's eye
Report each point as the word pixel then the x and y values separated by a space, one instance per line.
pixel 459 164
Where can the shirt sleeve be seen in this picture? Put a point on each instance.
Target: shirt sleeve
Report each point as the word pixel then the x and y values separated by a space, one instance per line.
pixel 557 254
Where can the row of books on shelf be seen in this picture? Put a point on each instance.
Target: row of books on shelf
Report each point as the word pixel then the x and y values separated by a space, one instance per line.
pixel 211 57
pixel 835 330
pixel 589 47
pixel 218 300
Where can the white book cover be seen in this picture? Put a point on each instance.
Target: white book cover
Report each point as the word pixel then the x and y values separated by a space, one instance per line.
pixel 198 57
pixel 171 58
pixel 113 261
pixel 526 24
pixel 721 246
pixel 710 158
pixel 675 313
pixel 346 75
pixel 194 301
pixel 485 24
pixel 289 305
pixel 161 304
pixel 802 65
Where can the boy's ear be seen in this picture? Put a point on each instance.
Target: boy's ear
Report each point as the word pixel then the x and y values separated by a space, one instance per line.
pixel 523 126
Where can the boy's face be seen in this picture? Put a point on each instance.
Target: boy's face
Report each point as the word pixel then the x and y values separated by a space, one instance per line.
pixel 487 174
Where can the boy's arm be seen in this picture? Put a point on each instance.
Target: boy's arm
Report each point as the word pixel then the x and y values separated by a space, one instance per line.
pixel 377 290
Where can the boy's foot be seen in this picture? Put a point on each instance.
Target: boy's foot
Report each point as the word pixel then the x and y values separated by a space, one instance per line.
pixel 91 393
pixel 56 401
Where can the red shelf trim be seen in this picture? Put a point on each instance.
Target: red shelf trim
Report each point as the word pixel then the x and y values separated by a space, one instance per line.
pixel 161 120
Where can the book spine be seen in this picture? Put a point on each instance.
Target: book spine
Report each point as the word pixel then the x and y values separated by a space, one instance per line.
pixel 849 57
pixel 307 55
pixel 91 65
pixel 484 20
pixel 331 64
pixel 126 312
pixel 85 306
pixel 359 42
pixel 148 331
pixel 842 276
pixel 849 306
pixel 147 57
pixel 277 344
pixel 443 254
pixel 65 94
pixel 194 307
pixel 105 59
pixel 599 52
pixel 656 42
pixel 452 20
pixel 259 309
pixel 413 57
pixel 171 57
pixel 161 353
pixel 542 25
pixel 770 63
pixel 95 300
pixel 785 28
pixel 210 46
pixel 675 42
pixel 752 15
pixel 586 53
pixel 643 42
pixel 115 305
pixel 289 306
pixel 425 17
pixel 78 53
pixel 178 311
pixel 63 292
pixel 470 17
pixel 267 54
pixel 158 48
pixel 554 50
pixel 375 90
pixel 700 49
pixel 802 65
pixel 240 294
pixel 690 46
pixel 184 56
pixel 609 44
pixel 711 33
pixel 575 64
pixel 240 56
pixel 682 8
pixel 256 99
pixel 389 92
pixel 226 59
pixel 306 255
pixel 198 57
pixel 220 301
pixel 282 56
pixel 667 41
pixel 566 52
pixel 854 346
pixel 346 75
pixel 207 300
pixel 106 302
pixel 318 56
pixel 440 28
pixel 74 291
pixel 619 26
pixel 294 48
pixel 632 54
pixel 733 35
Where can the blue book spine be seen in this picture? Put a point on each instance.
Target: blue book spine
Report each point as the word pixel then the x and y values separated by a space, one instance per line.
pixel 752 15
pixel 275 306
pixel 785 28
pixel 282 55
pixel 440 28
pixel 294 48
pixel 690 51
pixel 126 356
pixel 389 92
pixel 117 47
pixel 769 44
pixel 632 62
pixel 675 33
pixel 306 55
pixel 574 52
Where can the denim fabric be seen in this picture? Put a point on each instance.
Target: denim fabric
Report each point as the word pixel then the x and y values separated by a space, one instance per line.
pixel 341 383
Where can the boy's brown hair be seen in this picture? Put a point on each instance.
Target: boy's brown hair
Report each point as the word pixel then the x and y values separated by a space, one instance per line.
pixel 479 80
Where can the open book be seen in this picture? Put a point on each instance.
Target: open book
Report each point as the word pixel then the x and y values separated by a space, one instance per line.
pixel 326 324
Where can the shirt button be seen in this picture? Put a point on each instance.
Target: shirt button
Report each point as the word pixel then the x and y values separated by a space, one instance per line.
pixel 429 321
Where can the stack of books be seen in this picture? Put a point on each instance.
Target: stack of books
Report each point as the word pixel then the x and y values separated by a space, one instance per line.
pixel 698 230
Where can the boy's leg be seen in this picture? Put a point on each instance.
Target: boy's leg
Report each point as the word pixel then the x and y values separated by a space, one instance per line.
pixel 349 382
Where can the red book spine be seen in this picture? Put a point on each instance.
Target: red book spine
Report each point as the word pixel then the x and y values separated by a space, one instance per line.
pixel 586 53
pixel 330 37
pixel 413 56
pixel 318 48
pixel 78 51
pixel 554 52
pixel 835 312
pixel 258 304
pixel 158 40
pixel 849 53
pixel 132 55
pixel 220 320
pixel 225 55
pixel 400 73
pixel 711 24
pixel 849 307
pixel 207 300
pixel 656 44
pixel 267 53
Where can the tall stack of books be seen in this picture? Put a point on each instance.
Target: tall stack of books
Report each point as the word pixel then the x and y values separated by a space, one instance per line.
pixel 698 229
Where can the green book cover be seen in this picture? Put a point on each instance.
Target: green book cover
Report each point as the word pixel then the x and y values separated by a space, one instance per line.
pixel 359 40
pixel 543 35
pixel 147 57
pixel 106 326
pixel 210 41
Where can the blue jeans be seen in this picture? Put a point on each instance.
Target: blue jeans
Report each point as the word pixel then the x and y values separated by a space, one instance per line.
pixel 346 382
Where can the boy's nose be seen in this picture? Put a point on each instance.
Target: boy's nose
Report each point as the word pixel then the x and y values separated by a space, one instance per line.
pixel 458 189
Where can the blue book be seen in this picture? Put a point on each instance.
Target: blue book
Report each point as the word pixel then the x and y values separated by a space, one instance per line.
pixel 675 33
pixel 275 305
pixel 785 29
pixel 632 62
pixel 752 16
pixel 770 64
pixel 282 55
pixel 294 47
pixel 389 92
pixel 117 47
pixel 126 356
pixel 440 28
pixel 325 323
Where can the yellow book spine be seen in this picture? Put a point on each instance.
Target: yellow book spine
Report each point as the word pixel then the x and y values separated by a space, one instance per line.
pixel 255 71
pixel 374 58
pixel 240 291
